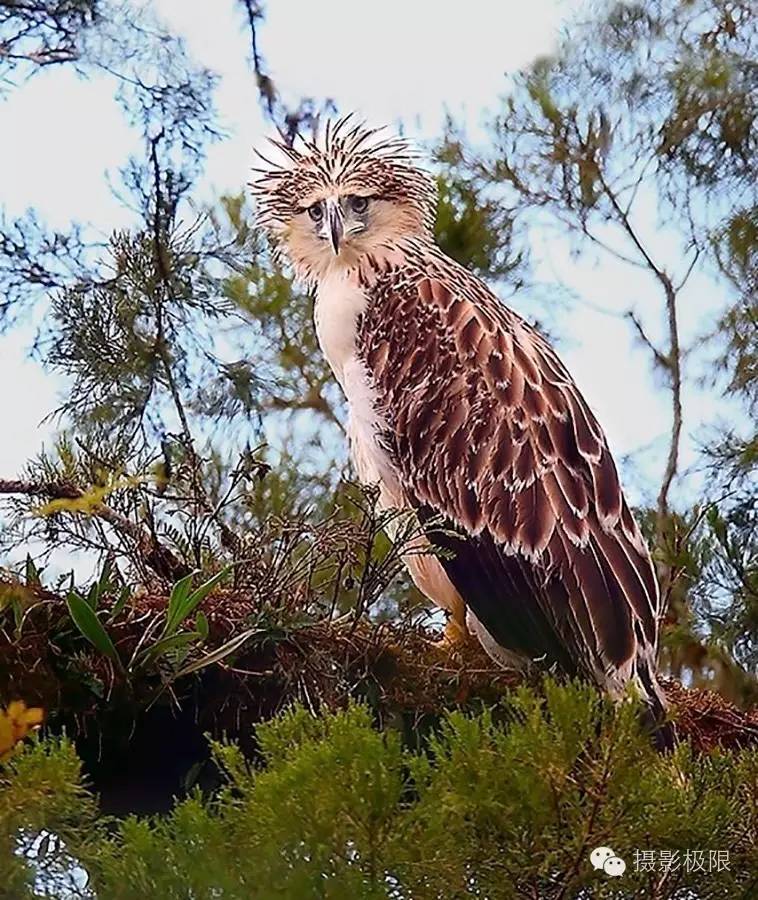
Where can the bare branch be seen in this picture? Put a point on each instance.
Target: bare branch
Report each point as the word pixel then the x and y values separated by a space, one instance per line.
pixel 155 555
pixel 660 357
pixel 672 359
pixel 287 120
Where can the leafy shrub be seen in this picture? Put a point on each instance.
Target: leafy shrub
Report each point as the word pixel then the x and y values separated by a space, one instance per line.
pixel 506 803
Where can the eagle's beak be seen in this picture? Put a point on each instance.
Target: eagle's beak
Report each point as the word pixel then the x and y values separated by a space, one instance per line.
pixel 335 225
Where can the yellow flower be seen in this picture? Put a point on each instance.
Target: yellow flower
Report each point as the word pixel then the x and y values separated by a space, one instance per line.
pixel 15 723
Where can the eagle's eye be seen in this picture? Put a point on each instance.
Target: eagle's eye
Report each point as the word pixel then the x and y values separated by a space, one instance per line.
pixel 316 212
pixel 358 204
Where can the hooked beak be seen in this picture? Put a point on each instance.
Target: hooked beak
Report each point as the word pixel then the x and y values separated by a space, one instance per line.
pixel 334 225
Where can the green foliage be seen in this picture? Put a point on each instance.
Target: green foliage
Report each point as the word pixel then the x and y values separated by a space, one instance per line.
pixel 86 620
pixel 105 651
pixel 657 94
pixel 736 246
pixel 183 600
pixel 172 644
pixel 505 804
pixel 732 569
pixel 43 807
pixel 472 228
pixel 711 633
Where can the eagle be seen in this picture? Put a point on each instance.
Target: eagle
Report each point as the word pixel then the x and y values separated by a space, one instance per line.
pixel 462 412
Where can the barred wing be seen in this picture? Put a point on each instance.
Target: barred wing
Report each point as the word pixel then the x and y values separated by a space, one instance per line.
pixel 487 428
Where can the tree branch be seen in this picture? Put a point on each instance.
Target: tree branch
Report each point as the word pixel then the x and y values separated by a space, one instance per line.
pixel 660 357
pixel 671 360
pixel 155 555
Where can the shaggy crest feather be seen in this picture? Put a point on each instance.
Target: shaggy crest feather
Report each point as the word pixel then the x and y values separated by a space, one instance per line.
pixel 349 156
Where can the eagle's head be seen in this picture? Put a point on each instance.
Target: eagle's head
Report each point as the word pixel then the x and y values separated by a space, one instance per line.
pixel 326 203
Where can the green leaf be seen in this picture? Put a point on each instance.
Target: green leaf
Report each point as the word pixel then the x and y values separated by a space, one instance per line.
pixel 126 592
pixel 104 581
pixel 201 625
pixel 165 645
pixel 199 594
pixel 86 620
pixel 93 595
pixel 184 604
pixel 179 594
pixel 221 652
pixel 31 572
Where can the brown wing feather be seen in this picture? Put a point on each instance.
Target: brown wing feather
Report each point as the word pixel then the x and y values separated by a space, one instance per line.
pixel 488 429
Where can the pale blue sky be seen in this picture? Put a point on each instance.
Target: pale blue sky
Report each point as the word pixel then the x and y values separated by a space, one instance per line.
pixel 394 61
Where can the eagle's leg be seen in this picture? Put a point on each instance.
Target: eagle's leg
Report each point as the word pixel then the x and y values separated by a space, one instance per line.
pixel 430 578
pixel 456 631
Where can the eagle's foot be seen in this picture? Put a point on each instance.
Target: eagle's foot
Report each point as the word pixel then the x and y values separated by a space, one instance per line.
pixel 454 638
pixel 455 634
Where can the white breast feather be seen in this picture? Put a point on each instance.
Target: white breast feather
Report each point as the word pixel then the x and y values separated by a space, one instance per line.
pixel 338 305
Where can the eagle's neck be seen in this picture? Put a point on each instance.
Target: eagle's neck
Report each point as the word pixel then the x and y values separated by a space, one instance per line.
pixel 342 295
pixel 340 300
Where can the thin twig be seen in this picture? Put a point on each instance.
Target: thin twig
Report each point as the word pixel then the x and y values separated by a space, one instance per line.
pixel 151 551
